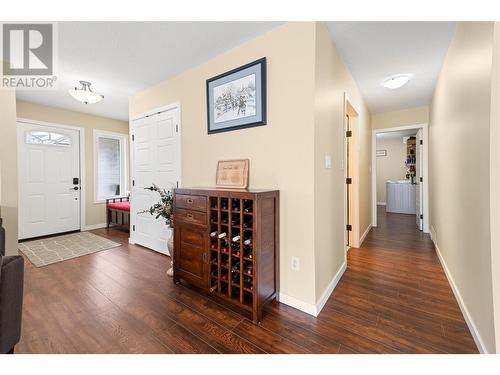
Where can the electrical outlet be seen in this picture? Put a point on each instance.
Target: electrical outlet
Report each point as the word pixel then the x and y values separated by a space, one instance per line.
pixel 295 264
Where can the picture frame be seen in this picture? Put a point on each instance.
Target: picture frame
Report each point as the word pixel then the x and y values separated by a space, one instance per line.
pixel 237 99
pixel 232 174
pixel 381 153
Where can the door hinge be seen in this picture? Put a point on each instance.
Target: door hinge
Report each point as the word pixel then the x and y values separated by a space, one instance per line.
pixel 421 216
pixel 177 128
pixel 133 182
pixel 348 133
pixel 133 228
pixel 133 137
pixel 348 180
pixel 348 227
pixel 421 142
pixel 421 179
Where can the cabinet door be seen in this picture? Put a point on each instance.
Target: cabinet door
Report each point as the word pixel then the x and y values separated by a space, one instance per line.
pixel 190 254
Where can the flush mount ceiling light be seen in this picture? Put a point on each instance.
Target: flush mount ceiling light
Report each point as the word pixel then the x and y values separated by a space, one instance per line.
pixel 396 81
pixel 85 94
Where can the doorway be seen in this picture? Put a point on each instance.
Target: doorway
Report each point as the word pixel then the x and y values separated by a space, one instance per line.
pixel 401 183
pixel 351 176
pixel 50 195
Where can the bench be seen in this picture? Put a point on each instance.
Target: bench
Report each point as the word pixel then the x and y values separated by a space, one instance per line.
pixel 118 212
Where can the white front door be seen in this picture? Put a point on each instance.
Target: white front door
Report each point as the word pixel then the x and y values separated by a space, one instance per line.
pixel 419 173
pixel 49 179
pixel 156 159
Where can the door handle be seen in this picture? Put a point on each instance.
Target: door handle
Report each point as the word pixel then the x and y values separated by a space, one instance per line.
pixel 74 188
pixel 204 257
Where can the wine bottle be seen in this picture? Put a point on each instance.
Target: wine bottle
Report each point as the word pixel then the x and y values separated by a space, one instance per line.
pixel 235 279
pixel 213 234
pixel 222 235
pixel 213 273
pixel 236 267
pixel 213 246
pixel 248 241
pixel 235 222
pixel 236 238
pixel 236 206
pixel 247 251
pixel 223 204
pixel 248 269
pixel 248 282
pixel 224 277
pixel 247 224
pixel 247 207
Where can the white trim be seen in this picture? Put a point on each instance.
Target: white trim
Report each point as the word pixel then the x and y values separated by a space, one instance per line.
pixel 329 289
pixel 381 203
pixel 81 132
pixel 465 312
pixel 425 173
pixel 122 137
pixel 94 226
pixel 309 308
pixel 365 234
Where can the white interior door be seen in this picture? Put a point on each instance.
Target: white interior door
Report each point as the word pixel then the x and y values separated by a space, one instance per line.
pixel 156 159
pixel 419 171
pixel 48 163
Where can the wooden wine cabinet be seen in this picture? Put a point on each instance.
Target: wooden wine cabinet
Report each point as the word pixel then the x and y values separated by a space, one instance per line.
pixel 208 254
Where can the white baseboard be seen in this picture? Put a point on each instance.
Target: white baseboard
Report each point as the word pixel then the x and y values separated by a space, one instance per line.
pixel 465 312
pixel 381 203
pixel 94 226
pixel 364 235
pixel 309 308
pixel 329 289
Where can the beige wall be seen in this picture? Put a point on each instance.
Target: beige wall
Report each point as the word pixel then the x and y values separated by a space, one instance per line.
pixel 495 181
pixel 8 168
pixel 459 169
pixel 280 153
pixel 390 167
pixel 95 213
pixel 332 79
pixel 410 116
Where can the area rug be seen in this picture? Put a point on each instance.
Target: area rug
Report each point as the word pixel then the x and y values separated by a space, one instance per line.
pixel 55 249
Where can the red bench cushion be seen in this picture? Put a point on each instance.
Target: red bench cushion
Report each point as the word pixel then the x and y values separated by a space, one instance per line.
pixel 122 206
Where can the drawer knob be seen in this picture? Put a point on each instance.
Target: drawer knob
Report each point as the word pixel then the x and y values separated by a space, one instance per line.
pixel 189 200
pixel 190 216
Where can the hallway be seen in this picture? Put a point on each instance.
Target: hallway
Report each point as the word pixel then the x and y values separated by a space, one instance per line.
pixel 395 292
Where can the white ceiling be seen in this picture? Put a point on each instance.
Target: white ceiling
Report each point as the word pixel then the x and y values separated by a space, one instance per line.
pixel 375 50
pixel 123 58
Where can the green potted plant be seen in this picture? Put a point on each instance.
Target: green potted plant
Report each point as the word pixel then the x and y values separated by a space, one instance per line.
pixel 164 209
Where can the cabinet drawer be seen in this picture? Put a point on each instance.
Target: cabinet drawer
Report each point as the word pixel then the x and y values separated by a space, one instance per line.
pixel 193 202
pixel 191 217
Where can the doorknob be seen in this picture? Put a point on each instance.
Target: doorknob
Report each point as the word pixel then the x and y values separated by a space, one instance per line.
pixel 74 188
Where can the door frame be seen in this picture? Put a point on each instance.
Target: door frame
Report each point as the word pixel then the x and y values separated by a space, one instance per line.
pixel 355 219
pixel 81 137
pixel 425 169
pixel 158 110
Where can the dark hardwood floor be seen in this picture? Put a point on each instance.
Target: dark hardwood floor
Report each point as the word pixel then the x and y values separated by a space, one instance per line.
pixel 393 298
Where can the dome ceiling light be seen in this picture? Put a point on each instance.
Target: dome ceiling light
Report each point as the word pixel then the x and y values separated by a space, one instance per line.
pixel 85 94
pixel 396 81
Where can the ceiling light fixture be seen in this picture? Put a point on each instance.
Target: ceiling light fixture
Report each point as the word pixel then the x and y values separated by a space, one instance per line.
pixel 396 81
pixel 85 94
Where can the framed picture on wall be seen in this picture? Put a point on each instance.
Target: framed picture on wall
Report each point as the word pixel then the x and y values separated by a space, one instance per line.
pixel 237 99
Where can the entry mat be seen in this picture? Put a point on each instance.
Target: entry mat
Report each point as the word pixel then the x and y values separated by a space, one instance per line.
pixel 45 251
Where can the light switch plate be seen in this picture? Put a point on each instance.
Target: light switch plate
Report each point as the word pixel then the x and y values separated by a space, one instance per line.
pixel 328 161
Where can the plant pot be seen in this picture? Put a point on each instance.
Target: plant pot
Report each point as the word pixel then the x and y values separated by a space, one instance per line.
pixel 170 246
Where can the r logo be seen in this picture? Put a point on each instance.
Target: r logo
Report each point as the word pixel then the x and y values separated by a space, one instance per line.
pixel 27 49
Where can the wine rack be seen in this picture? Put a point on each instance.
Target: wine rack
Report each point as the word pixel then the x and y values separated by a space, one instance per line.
pixel 242 244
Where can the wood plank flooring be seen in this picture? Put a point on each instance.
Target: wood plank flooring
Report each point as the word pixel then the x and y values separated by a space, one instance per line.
pixel 393 298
